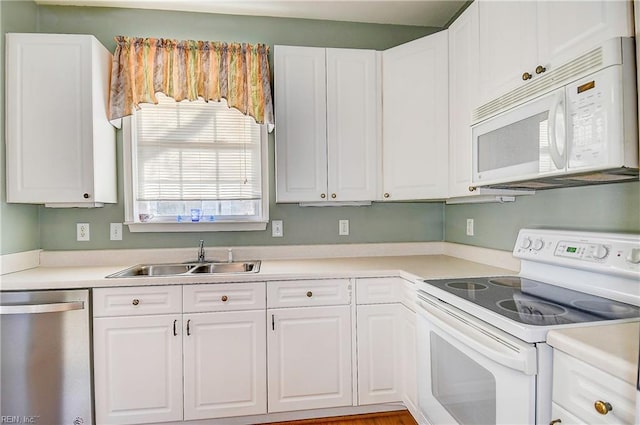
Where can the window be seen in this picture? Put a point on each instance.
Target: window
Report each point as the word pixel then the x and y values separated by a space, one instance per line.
pixel 194 166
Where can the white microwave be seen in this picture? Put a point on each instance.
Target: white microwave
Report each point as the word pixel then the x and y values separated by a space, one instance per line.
pixel 579 127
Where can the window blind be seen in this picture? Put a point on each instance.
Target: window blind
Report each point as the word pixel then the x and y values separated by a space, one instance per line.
pixel 196 151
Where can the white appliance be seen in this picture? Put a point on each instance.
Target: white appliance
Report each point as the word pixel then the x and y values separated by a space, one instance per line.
pixel 572 126
pixel 482 352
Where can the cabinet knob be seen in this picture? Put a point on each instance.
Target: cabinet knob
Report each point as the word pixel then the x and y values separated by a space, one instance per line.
pixel 386 195
pixel 602 407
pixel 333 195
pixel 309 294
pixel 555 421
pixel 224 298
pixel 323 196
pixel 472 188
pixel 540 69
pixel 135 301
pixel 85 196
pixel 526 76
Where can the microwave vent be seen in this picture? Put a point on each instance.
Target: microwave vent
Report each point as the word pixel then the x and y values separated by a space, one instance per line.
pixel 578 67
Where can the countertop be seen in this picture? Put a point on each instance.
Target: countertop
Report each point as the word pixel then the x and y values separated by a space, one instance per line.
pixel 411 267
pixel 611 348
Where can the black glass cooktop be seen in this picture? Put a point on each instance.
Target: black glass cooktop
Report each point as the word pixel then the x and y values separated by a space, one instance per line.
pixel 535 303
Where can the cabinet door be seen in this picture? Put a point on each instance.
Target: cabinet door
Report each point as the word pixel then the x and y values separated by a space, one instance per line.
pixel 56 110
pixel 309 358
pixel 463 89
pixel 415 119
pixel 352 124
pixel 567 29
pixel 225 370
pixel 508 45
pixel 301 114
pixel 138 369
pixel 409 360
pixel 379 353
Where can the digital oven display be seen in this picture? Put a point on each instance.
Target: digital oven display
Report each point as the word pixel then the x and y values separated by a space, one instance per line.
pixel 571 249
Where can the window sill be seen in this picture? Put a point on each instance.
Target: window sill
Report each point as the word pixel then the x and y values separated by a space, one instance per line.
pixel 196 227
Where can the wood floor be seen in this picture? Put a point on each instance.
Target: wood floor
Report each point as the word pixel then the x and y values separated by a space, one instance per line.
pixel 388 418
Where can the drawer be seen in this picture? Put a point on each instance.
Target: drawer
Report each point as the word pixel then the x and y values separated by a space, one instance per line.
pixel 136 301
pixel 223 297
pixel 578 385
pixel 382 290
pixel 303 293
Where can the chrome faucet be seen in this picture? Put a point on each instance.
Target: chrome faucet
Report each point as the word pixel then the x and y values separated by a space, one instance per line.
pixel 201 252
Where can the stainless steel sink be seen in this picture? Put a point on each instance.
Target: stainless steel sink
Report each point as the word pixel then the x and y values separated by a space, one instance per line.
pixel 188 269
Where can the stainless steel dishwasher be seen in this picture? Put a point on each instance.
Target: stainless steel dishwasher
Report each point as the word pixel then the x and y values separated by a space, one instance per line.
pixel 45 357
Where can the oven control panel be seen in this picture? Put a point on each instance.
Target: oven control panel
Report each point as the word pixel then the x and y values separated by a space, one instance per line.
pixel 610 252
pixel 583 251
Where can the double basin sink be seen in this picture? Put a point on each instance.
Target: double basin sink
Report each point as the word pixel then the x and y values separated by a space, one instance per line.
pixel 185 269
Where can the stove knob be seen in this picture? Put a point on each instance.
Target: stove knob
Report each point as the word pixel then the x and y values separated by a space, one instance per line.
pixel 538 244
pixel 600 252
pixel 634 256
pixel 525 243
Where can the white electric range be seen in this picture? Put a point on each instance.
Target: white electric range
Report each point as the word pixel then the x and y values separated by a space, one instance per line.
pixel 482 355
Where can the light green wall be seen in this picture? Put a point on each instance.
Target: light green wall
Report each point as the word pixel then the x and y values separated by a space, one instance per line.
pixel 611 207
pixel 397 222
pixel 19 224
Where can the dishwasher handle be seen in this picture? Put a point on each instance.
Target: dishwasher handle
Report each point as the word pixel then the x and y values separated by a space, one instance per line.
pixel 41 308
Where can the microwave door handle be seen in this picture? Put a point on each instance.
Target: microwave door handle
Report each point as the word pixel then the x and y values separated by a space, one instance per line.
pixel 558 158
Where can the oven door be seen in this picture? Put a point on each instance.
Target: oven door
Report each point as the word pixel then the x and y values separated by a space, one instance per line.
pixel 470 372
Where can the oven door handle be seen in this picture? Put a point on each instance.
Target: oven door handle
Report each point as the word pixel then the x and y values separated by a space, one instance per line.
pixel 492 343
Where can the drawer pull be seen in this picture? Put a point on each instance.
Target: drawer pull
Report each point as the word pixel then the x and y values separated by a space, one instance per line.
pixel 602 407
pixel 309 294
pixel 224 298
pixel 135 301
pixel 555 421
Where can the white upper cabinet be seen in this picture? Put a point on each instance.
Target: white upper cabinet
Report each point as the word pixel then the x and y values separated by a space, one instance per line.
pixel 507 47
pixel 327 103
pixel 301 132
pixel 60 145
pixel 463 92
pixel 415 119
pixel 352 124
pixel 520 41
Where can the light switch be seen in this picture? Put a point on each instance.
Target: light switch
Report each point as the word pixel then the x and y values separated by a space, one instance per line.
pixel 276 229
pixel 343 228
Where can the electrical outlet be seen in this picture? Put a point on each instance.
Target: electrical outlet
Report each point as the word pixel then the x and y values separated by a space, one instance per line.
pixel 343 228
pixel 82 232
pixel 276 229
pixel 469 227
pixel 115 231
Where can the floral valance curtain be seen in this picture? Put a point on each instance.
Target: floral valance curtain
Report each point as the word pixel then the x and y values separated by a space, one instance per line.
pixel 190 69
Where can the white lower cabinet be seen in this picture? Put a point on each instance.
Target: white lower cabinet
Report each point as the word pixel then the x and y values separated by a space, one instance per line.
pixel 408 360
pixel 179 353
pixel 309 358
pixel 138 369
pixel 586 394
pixel 171 367
pixel 386 341
pixel 379 377
pixel 225 371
